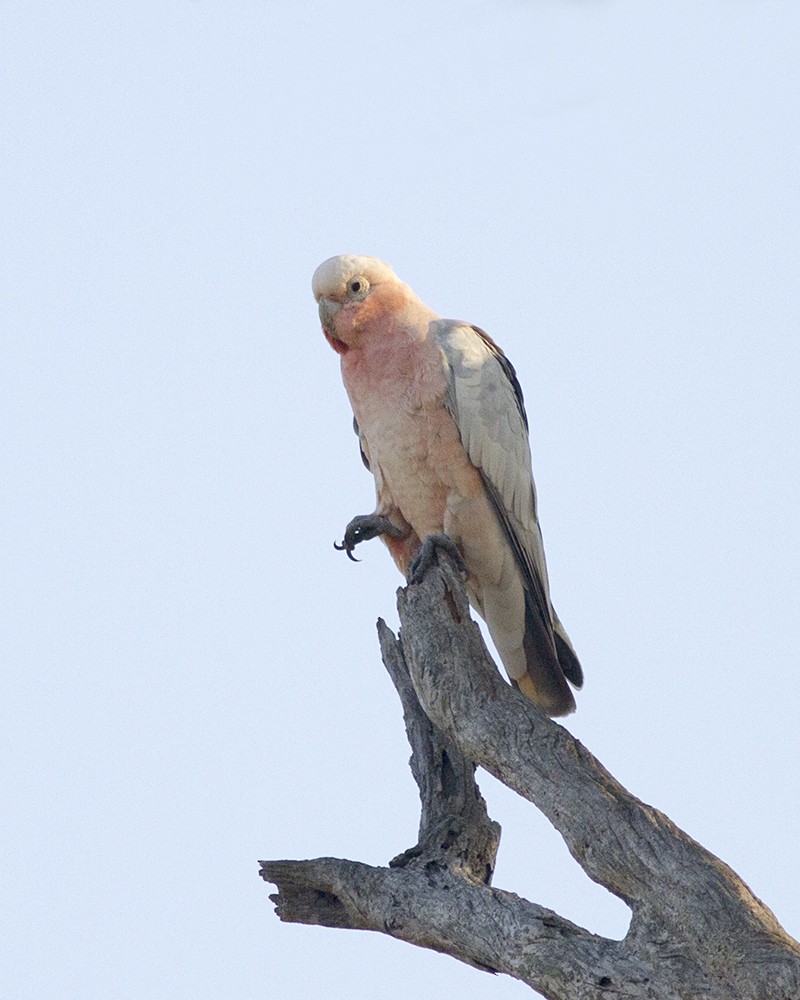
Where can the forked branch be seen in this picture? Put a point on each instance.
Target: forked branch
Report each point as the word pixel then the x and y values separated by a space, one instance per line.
pixel 696 931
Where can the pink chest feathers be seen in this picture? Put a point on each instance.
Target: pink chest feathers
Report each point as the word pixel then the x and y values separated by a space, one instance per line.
pixel 410 438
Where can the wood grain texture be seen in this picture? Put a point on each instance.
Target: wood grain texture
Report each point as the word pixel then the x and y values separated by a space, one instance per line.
pixel 697 931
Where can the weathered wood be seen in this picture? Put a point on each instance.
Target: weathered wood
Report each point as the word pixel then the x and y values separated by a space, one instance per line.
pixel 696 930
pixel 454 830
pixel 436 908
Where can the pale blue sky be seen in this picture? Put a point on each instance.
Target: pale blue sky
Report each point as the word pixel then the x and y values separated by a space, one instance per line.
pixel 192 675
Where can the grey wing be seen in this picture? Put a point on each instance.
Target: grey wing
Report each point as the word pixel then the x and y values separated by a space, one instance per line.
pixel 486 401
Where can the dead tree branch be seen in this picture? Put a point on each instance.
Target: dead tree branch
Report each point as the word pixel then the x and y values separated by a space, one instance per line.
pixel 696 930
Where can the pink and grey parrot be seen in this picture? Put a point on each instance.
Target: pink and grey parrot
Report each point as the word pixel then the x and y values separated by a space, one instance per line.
pixel 442 427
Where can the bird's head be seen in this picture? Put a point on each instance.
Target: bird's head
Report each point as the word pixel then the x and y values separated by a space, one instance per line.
pixel 353 293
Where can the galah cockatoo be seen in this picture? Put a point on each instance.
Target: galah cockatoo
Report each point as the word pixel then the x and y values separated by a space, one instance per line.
pixel 442 427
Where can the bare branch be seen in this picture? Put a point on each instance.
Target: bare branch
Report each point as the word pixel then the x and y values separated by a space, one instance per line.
pixel 436 908
pixel 697 931
pixel 455 829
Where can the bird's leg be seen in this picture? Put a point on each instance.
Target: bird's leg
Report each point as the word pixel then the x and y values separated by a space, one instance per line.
pixel 364 527
pixel 424 559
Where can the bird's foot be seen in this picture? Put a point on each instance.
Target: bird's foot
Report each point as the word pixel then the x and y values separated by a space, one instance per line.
pixel 426 556
pixel 362 528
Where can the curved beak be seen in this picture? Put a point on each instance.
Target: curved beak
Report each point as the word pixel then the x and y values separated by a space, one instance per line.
pixel 327 311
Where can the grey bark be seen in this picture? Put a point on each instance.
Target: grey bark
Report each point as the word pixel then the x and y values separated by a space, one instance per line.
pixel 697 931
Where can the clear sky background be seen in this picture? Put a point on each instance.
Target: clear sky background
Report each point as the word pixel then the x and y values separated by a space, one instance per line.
pixel 191 677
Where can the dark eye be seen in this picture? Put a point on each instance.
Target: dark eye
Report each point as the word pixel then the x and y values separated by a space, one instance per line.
pixel 357 287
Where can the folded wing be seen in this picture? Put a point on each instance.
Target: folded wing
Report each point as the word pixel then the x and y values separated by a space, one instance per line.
pixel 485 399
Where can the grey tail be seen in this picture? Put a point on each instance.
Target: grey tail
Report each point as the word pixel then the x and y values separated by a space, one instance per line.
pixel 545 682
pixel 570 664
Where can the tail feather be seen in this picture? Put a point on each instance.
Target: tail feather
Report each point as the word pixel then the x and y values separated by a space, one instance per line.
pixel 567 657
pixel 545 682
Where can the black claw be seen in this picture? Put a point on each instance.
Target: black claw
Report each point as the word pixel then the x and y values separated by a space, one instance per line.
pixel 344 547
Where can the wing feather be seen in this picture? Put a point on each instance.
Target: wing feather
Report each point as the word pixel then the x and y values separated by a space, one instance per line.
pixel 486 401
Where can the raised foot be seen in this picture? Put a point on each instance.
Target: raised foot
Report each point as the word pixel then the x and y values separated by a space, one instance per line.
pixel 426 556
pixel 364 527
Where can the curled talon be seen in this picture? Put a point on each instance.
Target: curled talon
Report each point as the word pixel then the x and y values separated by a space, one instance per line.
pixel 344 547
pixel 364 527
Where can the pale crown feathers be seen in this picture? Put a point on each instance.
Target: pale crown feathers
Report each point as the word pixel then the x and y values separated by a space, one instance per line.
pixel 332 277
